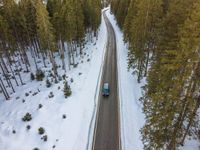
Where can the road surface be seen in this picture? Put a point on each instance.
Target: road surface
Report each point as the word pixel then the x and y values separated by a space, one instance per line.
pixel 106 134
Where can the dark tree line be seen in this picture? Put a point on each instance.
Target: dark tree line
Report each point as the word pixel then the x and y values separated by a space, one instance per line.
pixel 163 37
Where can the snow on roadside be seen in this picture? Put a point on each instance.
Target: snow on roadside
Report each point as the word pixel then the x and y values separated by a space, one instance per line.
pixel 70 133
pixel 132 118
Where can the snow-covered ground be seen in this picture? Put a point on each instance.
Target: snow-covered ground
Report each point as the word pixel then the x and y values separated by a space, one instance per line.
pixel 63 134
pixel 132 117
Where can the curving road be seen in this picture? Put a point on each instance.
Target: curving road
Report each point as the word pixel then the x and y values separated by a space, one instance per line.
pixel 107 134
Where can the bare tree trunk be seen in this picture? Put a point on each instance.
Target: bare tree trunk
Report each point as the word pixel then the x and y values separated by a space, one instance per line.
pixel 5 75
pixel 36 66
pixel 81 49
pixel 4 65
pixel 147 63
pixel 13 74
pixel 192 116
pixel 4 89
pixel 43 59
pixel 4 93
pixel 62 47
pixel 72 53
pixel 27 63
pixel 69 57
pixel 18 73
pixel 197 105
pixel 36 45
pixel 139 71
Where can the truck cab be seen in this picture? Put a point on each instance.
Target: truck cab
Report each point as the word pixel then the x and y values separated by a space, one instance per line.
pixel 106 90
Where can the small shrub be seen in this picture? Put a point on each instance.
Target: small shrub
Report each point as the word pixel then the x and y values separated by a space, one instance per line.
pixel 56 81
pixel 13 131
pixel 64 76
pixel 39 61
pixel 32 76
pixel 39 75
pixel 39 106
pixel 23 101
pixel 26 94
pixel 67 90
pixel 27 117
pixel 41 130
pixel 35 93
pixel 80 73
pixel 72 80
pixel 28 127
pixel 64 116
pixel 59 78
pixel 17 97
pixel 44 138
pixel 51 95
pixel 53 146
pixel 59 88
pixel 36 148
pixel 75 65
pixel 50 74
pixel 88 60
pixel 48 83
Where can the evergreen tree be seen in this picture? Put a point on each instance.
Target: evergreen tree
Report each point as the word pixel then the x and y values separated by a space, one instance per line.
pixel 143 30
pixel 48 83
pixel 45 32
pixel 169 95
pixel 67 90
pixel 122 11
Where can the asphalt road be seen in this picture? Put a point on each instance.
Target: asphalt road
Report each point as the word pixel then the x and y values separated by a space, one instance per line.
pixel 106 134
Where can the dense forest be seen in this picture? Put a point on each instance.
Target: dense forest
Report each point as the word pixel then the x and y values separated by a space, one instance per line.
pixel 43 29
pixel 163 38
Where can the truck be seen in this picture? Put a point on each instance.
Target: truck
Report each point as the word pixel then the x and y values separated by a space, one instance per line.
pixel 106 90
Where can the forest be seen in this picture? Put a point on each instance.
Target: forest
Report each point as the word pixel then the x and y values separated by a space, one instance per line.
pixel 43 29
pixel 163 38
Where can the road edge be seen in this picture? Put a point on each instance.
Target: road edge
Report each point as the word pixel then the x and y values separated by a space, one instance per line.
pixel 120 118
pixel 94 119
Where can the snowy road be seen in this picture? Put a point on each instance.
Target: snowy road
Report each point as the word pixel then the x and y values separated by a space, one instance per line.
pixel 107 134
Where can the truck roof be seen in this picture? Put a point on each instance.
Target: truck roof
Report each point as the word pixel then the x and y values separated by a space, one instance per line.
pixel 105 85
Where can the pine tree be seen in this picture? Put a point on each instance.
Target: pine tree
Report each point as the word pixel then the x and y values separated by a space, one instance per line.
pixel 128 23
pixel 171 83
pixel 45 32
pixel 122 11
pixel 143 30
pixel 67 90
pixel 79 19
pixel 48 83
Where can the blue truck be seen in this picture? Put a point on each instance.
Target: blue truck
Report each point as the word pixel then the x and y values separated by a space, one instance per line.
pixel 106 90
